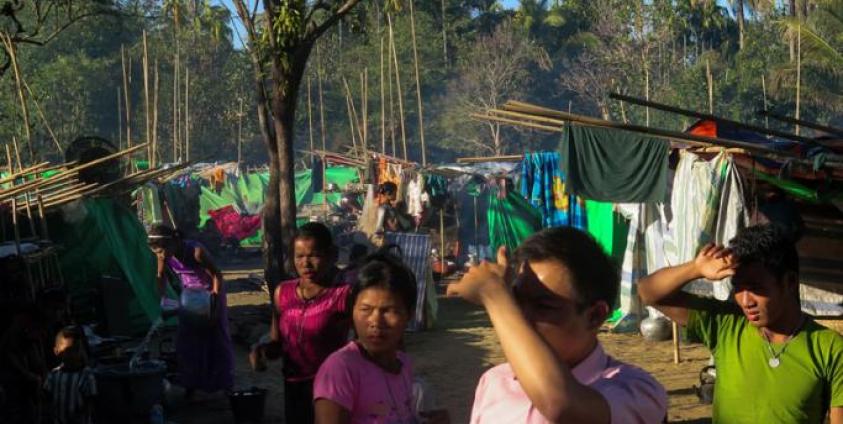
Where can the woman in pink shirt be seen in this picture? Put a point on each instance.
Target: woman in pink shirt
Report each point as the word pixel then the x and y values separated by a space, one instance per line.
pixel 370 380
pixel 311 319
pixel 547 323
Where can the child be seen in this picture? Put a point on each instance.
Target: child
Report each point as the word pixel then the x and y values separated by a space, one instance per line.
pixel 71 386
pixel 547 324
pixel 370 380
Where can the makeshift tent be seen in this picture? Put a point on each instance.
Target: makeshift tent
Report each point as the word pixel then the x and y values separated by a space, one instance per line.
pixel 100 238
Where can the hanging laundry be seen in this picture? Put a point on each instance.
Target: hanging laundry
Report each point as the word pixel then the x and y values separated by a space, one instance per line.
pixel 614 165
pixel 511 220
pixel 543 185
pixel 234 226
pixel 437 188
pixel 709 207
pixel 415 191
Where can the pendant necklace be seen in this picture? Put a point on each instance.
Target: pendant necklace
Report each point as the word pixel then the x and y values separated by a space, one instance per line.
pixel 774 360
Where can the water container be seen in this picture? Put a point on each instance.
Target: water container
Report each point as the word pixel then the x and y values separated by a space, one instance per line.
pixel 195 306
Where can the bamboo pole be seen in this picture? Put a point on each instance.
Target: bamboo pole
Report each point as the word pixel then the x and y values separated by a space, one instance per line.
pixel 764 92
pixel 186 113
pixel 30 170
pixel 15 227
pixel 348 105
pixel 710 80
pixel 706 116
pixel 383 102
pixel 42 217
pixel 240 133
pixel 9 162
pixel 119 119
pixel 43 116
pixel 17 152
pixel 155 92
pixel 444 36
pixel 656 132
pixel 69 172
pixel 442 240
pixel 146 104
pixel 675 330
pixel 398 86
pixel 505 158
pixel 66 188
pixel 391 97
pixel 813 125
pixel 798 75
pixel 10 48
pixel 176 105
pixel 364 80
pixel 418 82
pixel 321 104
pixel 309 117
pixel 127 67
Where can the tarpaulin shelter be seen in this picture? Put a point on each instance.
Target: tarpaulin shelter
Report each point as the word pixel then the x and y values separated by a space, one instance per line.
pixel 101 237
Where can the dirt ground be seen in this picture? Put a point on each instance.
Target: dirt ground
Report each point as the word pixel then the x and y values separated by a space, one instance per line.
pixel 451 358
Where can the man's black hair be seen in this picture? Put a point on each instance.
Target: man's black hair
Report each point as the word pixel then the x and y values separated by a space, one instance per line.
pixel 770 245
pixel 382 270
pixel 594 275
pixel 319 233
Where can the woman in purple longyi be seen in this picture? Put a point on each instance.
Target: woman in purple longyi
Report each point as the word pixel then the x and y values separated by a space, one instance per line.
pixel 311 319
pixel 203 347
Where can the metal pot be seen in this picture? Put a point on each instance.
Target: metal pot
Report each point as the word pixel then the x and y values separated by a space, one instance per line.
pixel 656 329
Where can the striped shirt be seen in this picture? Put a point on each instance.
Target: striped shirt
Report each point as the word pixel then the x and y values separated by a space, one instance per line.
pixel 70 393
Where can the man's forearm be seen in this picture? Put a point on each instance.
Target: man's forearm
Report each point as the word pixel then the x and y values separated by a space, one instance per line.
pixel 662 284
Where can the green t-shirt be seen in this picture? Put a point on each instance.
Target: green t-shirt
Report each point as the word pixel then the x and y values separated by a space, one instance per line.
pixel 808 381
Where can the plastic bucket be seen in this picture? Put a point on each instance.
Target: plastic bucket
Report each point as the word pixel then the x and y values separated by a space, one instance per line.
pixel 247 406
pixel 125 393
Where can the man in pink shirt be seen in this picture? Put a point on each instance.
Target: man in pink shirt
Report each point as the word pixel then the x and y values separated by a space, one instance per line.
pixel 547 322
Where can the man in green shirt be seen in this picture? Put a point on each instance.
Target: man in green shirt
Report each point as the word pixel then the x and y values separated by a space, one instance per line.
pixel 774 363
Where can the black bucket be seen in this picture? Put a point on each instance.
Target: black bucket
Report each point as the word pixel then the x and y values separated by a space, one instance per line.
pixel 124 394
pixel 247 406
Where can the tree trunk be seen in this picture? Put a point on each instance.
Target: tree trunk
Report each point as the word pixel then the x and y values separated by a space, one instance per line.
pixel 285 92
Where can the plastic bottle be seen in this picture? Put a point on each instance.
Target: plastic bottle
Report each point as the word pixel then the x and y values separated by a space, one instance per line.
pixel 156 414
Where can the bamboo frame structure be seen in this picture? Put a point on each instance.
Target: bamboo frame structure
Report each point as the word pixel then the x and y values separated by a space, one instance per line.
pixel 546 115
pixel 808 124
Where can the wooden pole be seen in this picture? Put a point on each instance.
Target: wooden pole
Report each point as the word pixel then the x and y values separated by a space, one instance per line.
pixel 9 163
pixel 15 227
pixel 418 82
pixel 383 103
pixel 675 328
pixel 45 235
pixel 391 96
pixel 398 86
pixel 442 239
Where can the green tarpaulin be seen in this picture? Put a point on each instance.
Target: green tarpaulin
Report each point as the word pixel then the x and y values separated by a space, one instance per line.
pixel 99 238
pixel 608 228
pixel 511 220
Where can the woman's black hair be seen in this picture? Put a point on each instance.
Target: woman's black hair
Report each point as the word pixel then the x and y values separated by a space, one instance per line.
pixel 163 231
pixel 320 234
pixel 386 271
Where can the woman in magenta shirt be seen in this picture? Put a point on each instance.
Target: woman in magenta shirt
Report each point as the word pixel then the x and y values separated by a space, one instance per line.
pixel 311 319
